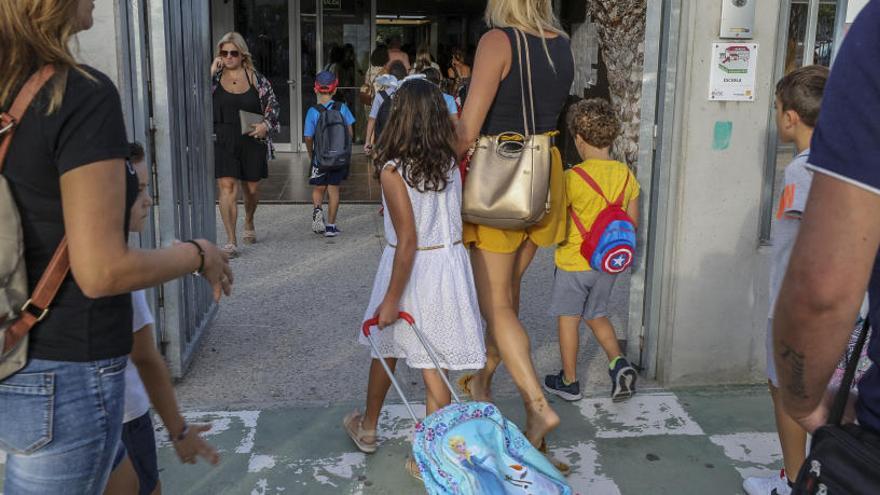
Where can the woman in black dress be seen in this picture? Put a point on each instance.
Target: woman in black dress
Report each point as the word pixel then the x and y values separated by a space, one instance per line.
pixel 240 157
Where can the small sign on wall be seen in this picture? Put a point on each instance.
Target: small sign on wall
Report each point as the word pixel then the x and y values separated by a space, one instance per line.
pixel 732 71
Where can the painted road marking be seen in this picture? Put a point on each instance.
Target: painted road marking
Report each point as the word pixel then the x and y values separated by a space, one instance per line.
pixel 643 415
pixel 753 454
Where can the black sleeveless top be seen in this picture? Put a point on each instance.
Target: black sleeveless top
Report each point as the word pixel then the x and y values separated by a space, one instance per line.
pixel 227 105
pixel 550 83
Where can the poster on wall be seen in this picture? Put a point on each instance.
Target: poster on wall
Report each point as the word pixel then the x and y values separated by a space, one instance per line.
pixel 732 71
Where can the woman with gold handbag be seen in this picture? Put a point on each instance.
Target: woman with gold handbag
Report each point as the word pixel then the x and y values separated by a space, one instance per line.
pixel 513 198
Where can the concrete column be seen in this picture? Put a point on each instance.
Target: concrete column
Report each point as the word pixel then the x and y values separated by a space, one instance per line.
pixel 714 299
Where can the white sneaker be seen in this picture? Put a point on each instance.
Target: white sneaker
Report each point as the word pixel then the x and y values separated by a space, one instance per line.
pixel 318 221
pixel 772 485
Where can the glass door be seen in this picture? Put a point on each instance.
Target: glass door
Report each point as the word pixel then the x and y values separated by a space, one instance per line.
pixel 346 43
pixel 266 29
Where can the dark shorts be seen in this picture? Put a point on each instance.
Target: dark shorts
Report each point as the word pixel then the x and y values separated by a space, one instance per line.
pixel 334 178
pixel 139 443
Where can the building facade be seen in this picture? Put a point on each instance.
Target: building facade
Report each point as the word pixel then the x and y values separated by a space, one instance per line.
pixel 708 165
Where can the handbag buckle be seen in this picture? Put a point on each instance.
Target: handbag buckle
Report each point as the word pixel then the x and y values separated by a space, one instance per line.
pixel 39 314
pixel 7 122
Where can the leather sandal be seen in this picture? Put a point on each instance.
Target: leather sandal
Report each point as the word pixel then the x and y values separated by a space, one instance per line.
pixel 364 439
pixel 563 467
pixel 231 250
pixel 412 468
pixel 249 237
pixel 464 385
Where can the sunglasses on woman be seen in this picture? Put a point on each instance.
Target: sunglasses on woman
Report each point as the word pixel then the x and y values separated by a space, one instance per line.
pixel 229 53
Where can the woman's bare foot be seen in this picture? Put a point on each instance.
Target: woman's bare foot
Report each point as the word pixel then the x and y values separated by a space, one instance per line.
pixel 471 385
pixel 541 419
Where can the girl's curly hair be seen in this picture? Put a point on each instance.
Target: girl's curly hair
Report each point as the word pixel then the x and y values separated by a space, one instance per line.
pixel 419 137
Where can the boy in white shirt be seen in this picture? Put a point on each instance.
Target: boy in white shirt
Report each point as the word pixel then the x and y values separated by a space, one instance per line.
pixel 135 470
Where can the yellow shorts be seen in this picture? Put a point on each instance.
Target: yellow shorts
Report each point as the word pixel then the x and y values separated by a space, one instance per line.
pixel 549 232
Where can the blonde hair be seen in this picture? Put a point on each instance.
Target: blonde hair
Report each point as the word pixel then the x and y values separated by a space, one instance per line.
pixel 535 16
pixel 237 39
pixel 34 33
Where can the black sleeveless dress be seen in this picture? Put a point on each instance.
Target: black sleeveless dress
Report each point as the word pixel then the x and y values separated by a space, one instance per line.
pixel 237 155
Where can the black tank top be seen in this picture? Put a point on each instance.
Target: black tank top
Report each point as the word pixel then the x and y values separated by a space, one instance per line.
pixel 551 85
pixel 227 105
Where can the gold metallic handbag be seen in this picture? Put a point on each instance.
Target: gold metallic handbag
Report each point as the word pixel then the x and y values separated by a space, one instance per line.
pixel 508 181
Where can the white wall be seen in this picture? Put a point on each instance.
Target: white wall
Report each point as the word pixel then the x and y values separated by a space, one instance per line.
pixel 98 46
pixel 853 7
pixel 714 309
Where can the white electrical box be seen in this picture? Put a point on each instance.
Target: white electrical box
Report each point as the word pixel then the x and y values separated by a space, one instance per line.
pixel 737 19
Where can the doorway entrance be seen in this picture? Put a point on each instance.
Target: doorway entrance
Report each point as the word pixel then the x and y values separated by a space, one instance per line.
pixel 292 40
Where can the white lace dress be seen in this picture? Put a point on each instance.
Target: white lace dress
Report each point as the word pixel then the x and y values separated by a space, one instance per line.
pixel 440 294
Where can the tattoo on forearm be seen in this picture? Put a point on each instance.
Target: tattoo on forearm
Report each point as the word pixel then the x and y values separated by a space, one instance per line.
pixel 794 363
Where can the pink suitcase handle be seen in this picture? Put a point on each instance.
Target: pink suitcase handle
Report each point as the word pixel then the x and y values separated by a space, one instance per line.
pixel 366 329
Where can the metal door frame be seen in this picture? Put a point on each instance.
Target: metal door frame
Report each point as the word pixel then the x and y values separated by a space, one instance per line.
pixel 295 17
pixel 655 174
pixel 180 48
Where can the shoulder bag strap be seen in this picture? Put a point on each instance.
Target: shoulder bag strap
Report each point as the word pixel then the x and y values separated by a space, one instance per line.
pixel 835 417
pixel 520 40
pixel 37 307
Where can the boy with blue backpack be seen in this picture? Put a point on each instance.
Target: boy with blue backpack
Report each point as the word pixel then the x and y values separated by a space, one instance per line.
pixel 602 196
pixel 328 135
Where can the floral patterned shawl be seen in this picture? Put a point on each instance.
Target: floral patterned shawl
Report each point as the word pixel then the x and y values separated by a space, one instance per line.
pixel 271 107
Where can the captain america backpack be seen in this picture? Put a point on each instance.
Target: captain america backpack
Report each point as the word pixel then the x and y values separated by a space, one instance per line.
pixel 610 244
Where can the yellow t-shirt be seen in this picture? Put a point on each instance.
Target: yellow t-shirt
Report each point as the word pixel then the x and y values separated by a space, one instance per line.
pixel 611 176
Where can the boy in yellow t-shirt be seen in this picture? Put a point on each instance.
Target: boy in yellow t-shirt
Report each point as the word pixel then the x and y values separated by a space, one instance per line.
pixel 580 293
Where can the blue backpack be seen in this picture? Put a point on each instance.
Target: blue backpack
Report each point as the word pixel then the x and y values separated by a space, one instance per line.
pixel 332 150
pixel 610 244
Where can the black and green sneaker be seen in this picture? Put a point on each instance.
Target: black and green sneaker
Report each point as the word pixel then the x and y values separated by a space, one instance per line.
pixel 555 384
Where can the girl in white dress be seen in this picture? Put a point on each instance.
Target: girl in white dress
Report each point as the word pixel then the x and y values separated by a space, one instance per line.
pixel 425 270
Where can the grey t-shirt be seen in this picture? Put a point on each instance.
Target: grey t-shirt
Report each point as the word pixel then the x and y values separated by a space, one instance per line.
pixel 787 221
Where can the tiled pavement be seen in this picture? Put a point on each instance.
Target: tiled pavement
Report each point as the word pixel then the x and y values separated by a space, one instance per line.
pixel 701 441
pixel 685 442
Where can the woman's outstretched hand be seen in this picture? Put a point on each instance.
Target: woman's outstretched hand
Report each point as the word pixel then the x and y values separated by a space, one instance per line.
pixel 216 271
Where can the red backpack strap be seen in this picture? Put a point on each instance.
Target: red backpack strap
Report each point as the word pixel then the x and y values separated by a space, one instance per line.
pixel 592 183
pixel 577 222
pixel 620 198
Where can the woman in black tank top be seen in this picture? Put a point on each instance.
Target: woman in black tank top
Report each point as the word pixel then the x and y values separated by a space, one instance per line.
pixel 500 257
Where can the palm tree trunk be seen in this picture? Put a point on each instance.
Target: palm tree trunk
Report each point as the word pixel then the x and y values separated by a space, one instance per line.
pixel 621 27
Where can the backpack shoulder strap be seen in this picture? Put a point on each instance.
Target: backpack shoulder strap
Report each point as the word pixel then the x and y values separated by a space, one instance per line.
pixel 9 120
pixel 320 108
pixel 37 307
pixel 384 95
pixel 577 223
pixel 592 183
pixel 620 198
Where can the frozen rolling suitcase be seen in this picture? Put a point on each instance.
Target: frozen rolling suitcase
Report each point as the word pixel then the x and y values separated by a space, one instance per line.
pixel 470 448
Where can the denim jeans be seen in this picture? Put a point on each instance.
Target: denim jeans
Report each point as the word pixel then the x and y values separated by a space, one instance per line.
pixel 60 424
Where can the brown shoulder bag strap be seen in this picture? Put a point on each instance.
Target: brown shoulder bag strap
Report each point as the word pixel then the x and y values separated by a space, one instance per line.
pixel 37 307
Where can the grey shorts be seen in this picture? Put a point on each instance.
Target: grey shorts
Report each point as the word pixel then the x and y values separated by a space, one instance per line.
pixel 583 294
pixel 771 361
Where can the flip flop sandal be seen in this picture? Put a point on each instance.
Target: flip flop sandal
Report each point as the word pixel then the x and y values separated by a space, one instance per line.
pixel 353 424
pixel 563 467
pixel 230 250
pixel 249 237
pixel 413 469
